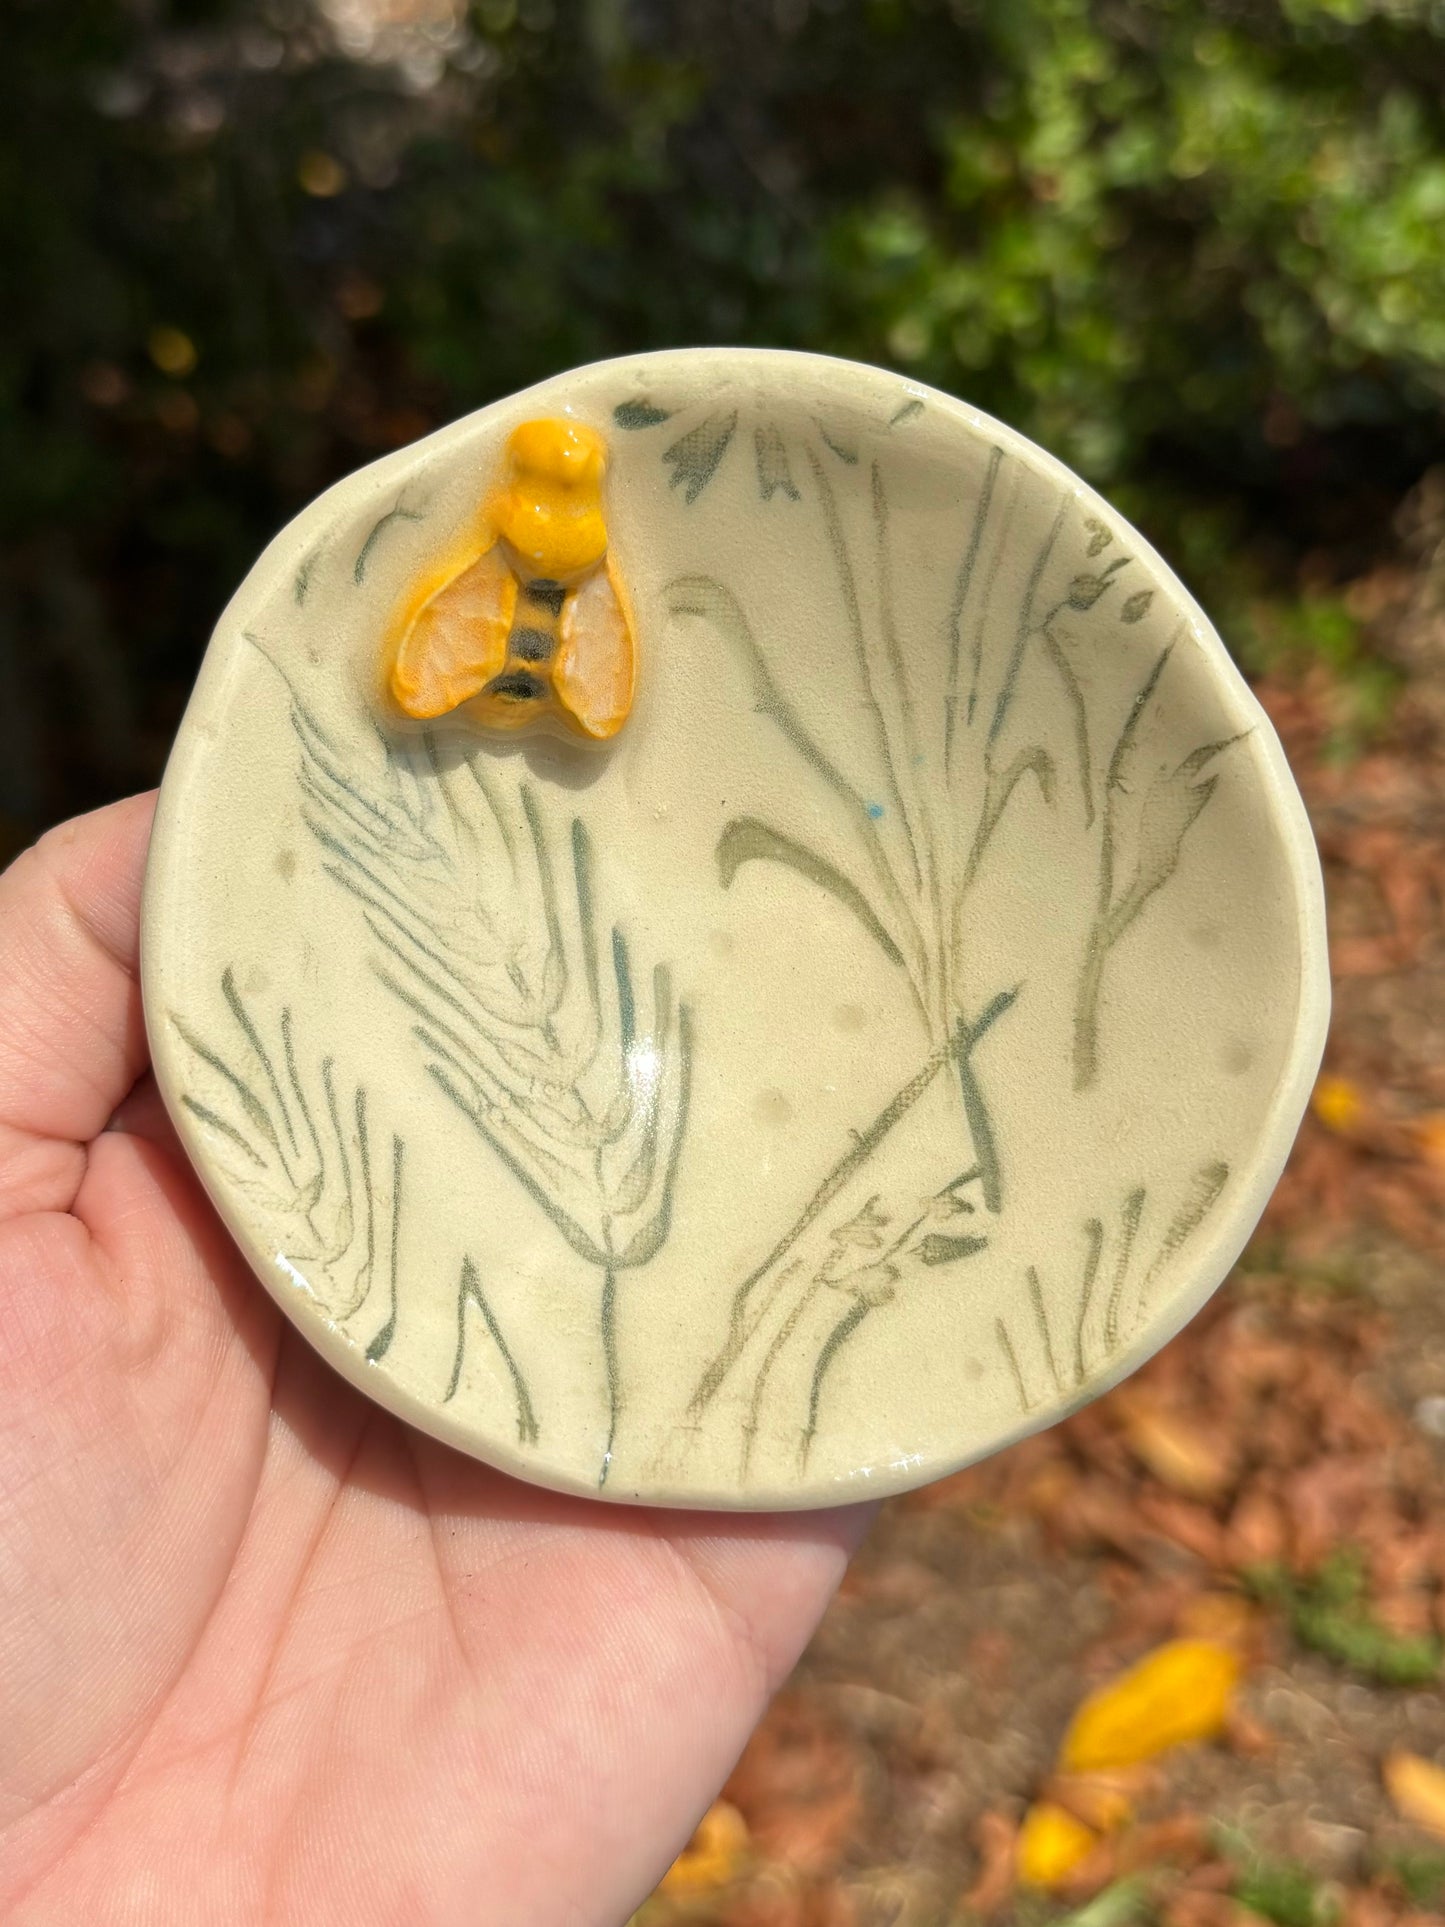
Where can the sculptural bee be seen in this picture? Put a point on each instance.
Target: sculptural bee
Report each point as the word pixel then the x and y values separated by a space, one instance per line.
pixel 530 625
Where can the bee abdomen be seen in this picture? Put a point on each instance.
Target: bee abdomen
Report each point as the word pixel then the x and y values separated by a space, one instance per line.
pixel 516 686
pixel 546 594
pixel 531 645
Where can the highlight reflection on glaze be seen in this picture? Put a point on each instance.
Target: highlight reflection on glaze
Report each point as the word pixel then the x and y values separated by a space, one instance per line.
pixel 555 1243
pixel 302 1151
pixel 524 1009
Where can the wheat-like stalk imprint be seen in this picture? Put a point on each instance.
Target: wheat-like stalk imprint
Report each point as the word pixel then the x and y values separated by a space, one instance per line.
pixel 946 751
pixel 1051 1358
pixel 524 1008
pixel 297 1143
pixel 299 1146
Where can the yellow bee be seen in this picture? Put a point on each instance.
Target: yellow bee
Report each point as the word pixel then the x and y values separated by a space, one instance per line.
pixel 528 622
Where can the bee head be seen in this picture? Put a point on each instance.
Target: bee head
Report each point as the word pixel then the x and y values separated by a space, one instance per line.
pixel 557 454
pixel 550 506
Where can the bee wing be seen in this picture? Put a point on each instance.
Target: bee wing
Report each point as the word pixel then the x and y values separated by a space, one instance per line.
pixel 596 664
pixel 457 641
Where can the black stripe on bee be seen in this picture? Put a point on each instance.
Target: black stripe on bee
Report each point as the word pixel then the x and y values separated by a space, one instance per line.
pixel 516 686
pixel 531 645
pixel 547 594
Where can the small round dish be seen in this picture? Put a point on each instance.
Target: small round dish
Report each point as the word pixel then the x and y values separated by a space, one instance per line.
pixel 723 932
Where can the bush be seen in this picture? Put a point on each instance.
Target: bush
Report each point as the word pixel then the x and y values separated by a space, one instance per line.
pixel 1191 245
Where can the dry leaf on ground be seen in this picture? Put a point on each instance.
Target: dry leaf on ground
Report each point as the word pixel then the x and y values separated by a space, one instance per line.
pixel 799 1785
pixel 996 1837
pixel 1339 1104
pixel 713 1856
pixel 1051 1845
pixel 1417 1788
pixel 1182 1453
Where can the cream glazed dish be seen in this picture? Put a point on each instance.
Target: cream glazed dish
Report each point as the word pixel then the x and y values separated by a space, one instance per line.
pixel 724 933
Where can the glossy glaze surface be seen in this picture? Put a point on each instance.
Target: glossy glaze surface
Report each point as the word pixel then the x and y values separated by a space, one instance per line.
pixel 874 1049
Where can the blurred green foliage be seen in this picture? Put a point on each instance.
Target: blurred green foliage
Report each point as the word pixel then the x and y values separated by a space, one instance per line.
pixel 1420 1874
pixel 1286 1893
pixel 1267 631
pixel 1329 1612
pixel 1193 246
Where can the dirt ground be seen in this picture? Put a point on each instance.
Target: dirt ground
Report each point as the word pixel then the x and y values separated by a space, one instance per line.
pixel 1274 1480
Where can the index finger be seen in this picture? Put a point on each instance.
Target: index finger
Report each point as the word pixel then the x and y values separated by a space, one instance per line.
pixel 72 1037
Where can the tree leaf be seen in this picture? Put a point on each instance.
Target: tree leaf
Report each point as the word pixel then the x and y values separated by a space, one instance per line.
pixel 1051 1844
pixel 1182 1453
pixel 712 1857
pixel 1417 1788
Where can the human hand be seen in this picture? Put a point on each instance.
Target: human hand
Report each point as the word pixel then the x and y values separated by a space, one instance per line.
pixel 266 1653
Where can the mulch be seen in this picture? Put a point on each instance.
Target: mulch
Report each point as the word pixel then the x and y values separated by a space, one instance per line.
pixel 1275 1476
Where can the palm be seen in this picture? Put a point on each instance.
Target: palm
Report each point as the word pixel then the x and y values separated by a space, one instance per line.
pixel 265 1653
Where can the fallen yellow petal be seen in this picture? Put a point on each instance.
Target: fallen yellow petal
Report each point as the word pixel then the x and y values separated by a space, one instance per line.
pixel 1051 1844
pixel 1338 1104
pixel 712 1856
pixel 1178 1693
pixel 1417 1788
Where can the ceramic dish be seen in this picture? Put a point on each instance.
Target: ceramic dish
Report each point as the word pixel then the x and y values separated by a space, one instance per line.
pixel 723 932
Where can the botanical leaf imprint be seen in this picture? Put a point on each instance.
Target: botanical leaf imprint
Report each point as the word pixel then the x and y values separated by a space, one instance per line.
pixel 470 1292
pixel 299 1149
pixel 772 460
pixel 869 1258
pixel 1164 809
pixel 304 1161
pixel 695 456
pixel 1074 1347
pixel 528 1012
pixel 918 836
pixel 522 1007
pixel 398 513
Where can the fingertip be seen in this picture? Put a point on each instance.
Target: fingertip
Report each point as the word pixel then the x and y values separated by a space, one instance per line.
pixel 97 862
